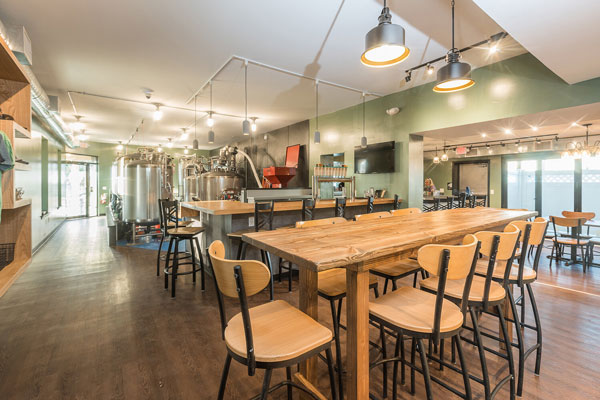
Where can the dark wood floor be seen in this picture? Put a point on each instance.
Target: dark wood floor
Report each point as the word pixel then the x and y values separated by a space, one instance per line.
pixel 89 322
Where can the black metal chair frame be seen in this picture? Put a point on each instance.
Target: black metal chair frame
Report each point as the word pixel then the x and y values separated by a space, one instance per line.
pixel 340 207
pixel 394 279
pixel 396 204
pixel 169 213
pixel 370 204
pixel 251 362
pixel 574 233
pixel 431 204
pixel 436 336
pixel 164 234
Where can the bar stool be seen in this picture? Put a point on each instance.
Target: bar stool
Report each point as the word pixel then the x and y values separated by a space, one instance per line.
pixel 263 220
pixel 340 207
pixel 250 336
pixel 178 234
pixel 462 200
pixel 308 209
pixel 396 204
pixel 575 240
pixel 332 287
pixel 484 294
pixel 368 217
pixel 370 204
pixel 523 277
pixel 422 315
pixel 431 204
pixel 164 226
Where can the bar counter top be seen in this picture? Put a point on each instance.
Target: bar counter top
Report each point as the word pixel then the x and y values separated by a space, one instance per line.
pixel 231 207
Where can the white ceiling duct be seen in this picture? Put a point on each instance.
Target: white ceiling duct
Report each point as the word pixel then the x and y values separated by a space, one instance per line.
pixel 40 103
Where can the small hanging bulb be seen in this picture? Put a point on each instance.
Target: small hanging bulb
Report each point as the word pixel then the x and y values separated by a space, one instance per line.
pixel 210 121
pixel 77 125
pixel 444 157
pixel 170 144
pixel 184 134
pixel 157 116
pixel 160 149
pixel 185 150
pixel 317 132
pixel 430 69
pixel 120 146
pixel 253 126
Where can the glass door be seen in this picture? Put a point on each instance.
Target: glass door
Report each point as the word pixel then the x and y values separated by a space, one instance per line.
pixel 92 189
pixel 521 184
pixel 558 186
pixel 75 181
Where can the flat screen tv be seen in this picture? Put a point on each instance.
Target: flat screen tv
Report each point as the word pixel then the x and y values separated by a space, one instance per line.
pixel 376 158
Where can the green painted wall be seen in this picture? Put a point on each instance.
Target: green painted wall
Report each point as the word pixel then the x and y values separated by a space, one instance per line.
pixel 517 86
pixel 106 153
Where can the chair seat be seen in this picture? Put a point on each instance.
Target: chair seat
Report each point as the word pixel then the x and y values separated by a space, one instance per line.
pixel 181 224
pixel 454 288
pixel 413 310
pixel 571 242
pixel 186 231
pixel 332 282
pixel 529 274
pixel 396 269
pixel 280 332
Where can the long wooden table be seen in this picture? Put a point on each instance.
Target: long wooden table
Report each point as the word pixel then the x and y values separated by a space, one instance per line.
pixel 358 245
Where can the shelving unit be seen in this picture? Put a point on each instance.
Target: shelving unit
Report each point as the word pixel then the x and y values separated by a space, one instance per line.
pixel 15 223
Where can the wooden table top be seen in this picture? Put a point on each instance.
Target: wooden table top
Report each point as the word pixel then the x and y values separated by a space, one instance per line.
pixel 323 247
pixel 230 207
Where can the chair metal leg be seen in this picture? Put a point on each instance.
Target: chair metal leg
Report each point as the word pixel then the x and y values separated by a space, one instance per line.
pixel 288 376
pixel 413 351
pixel 507 344
pixel 224 375
pixel 162 238
pixel 202 270
pixel 538 325
pixel 334 395
pixel 395 372
pixel 384 355
pixel 175 268
pixel 266 382
pixel 272 287
pixel 441 354
pixel 168 259
pixel 425 368
pixel 520 344
pixel 338 346
pixel 479 342
pixel 290 277
pixel 385 285
pixel 243 247
pixel 280 269
pixel 193 251
pixel 463 367
pixel 239 251
pixel 402 364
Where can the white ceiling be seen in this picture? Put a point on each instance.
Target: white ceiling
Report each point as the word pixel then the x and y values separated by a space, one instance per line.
pixel 557 122
pixel 562 34
pixel 116 48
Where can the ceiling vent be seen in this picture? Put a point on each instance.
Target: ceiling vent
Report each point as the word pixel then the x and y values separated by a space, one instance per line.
pixel 20 44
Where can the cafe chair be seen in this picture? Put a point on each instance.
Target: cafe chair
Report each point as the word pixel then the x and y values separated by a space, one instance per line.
pixel 574 240
pixel 368 217
pixel 498 249
pixel 340 207
pixel 424 315
pixel 576 214
pixel 405 211
pixel 164 226
pixel 397 201
pixel 269 336
pixel 178 234
pixel 431 204
pixel 308 209
pixel 370 204
pixel 462 200
pixel 263 221
pixel 332 287
pixel 523 276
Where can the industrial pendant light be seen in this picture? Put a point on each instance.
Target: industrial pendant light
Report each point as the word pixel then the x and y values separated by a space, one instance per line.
pixel 254 127
pixel 363 139
pixel 445 154
pixel 246 123
pixel 211 122
pixel 384 44
pixel 317 133
pixel 211 137
pixel 195 142
pixel 436 159
pixel 455 75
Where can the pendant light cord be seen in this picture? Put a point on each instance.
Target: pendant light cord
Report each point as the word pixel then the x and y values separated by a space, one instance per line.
pixel 363 119
pixel 246 88
pixel 211 99
pixel 317 104
pixel 453 47
pixel 195 116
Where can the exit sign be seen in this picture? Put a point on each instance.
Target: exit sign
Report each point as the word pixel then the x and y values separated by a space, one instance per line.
pixel 461 150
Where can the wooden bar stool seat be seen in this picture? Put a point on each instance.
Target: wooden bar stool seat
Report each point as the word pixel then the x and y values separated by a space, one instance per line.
pixel 455 289
pixel 332 283
pixel 529 274
pixel 413 310
pixel 280 332
pixel 186 231
pixel 571 242
pixel 395 270
pixel 372 215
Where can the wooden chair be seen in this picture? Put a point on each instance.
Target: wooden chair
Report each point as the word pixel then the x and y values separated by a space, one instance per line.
pixel 340 207
pixel 431 204
pixel 485 293
pixel 575 241
pixel 370 204
pixel 576 214
pixel 422 315
pixel 396 204
pixel 177 234
pixel 462 200
pixel 308 209
pixel 164 226
pixel 405 211
pixel 269 336
pixel 368 217
pixel 263 220
pixel 332 287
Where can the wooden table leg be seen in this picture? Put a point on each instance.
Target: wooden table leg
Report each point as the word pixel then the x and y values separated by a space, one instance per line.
pixel 357 347
pixel 309 303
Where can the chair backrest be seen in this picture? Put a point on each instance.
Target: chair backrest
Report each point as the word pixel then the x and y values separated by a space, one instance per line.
pixel 340 207
pixel 534 235
pixel 168 213
pixel 462 200
pixel 238 278
pixel 574 225
pixel 370 204
pixel 321 222
pixel 538 230
pixel 577 214
pixel 263 215
pixel 472 200
pixel 405 211
pixel 396 202
pixel 308 208
pixel 377 215
pixel 450 262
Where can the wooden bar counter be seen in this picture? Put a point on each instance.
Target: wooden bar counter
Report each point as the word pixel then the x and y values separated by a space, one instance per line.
pixel 221 217
pixel 358 245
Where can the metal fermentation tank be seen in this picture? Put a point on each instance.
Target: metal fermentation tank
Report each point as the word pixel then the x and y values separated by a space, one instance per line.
pixel 222 182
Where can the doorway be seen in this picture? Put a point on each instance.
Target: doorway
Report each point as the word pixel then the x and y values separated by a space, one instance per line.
pixel 80 178
pixel 472 174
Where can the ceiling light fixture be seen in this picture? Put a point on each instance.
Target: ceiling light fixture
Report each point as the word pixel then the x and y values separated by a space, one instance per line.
pixel 253 126
pixel 363 139
pixel 436 159
pixel 77 125
pixel 157 116
pixel 493 49
pixel 455 75
pixel 408 76
pixel 578 150
pixel 82 137
pixel 534 128
pixel 384 44
pixel 483 134
pixel 120 146
pixel 185 150
pixel 211 136
pixel 210 121
pixel 317 133
pixel 184 134
pixel 246 123
pixel 574 124
pixel 195 142
pixel 444 155
pixel 508 131
pixel 159 149
pixel 430 69
pixel 170 143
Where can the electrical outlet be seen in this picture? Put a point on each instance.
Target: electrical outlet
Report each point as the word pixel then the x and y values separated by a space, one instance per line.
pixel 250 221
pixel 491 191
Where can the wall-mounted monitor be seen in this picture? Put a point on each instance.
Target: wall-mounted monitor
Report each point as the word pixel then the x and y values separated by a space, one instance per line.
pixel 376 158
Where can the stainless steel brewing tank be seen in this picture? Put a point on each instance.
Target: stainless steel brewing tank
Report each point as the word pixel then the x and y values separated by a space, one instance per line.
pixel 143 187
pixel 214 183
pixel 191 184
